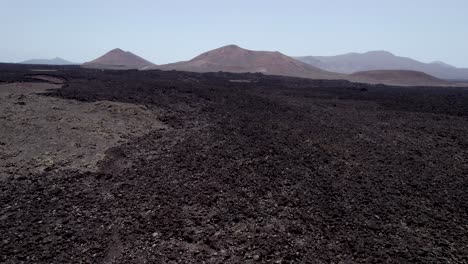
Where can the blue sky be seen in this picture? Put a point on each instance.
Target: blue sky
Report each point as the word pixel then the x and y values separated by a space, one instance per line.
pixel 168 31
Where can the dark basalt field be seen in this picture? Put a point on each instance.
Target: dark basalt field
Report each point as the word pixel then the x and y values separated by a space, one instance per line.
pixel 251 169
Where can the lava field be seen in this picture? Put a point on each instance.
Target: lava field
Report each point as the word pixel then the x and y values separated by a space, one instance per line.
pixel 238 168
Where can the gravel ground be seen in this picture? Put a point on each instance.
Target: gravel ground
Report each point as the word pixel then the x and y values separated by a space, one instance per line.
pixel 267 170
pixel 42 133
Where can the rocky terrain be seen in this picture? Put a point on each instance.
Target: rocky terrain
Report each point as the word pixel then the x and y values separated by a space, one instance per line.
pixel 42 133
pixel 229 168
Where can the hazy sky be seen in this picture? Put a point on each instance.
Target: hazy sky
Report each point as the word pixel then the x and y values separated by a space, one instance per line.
pixel 168 31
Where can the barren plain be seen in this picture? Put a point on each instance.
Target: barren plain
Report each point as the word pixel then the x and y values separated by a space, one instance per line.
pixel 176 167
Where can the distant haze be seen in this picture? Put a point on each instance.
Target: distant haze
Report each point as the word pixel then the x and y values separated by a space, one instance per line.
pixel 54 61
pixel 233 58
pixel 383 60
pixel 397 77
pixel 169 31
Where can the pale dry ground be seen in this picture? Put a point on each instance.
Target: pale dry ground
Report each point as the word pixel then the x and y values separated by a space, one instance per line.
pixel 48 78
pixel 43 70
pixel 45 133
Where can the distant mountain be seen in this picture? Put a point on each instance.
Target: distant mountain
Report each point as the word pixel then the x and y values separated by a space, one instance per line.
pixel 383 60
pixel 118 59
pixel 397 77
pixel 55 61
pixel 443 64
pixel 235 59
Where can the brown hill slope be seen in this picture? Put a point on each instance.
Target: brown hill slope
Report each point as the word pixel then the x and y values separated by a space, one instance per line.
pixel 383 60
pixel 235 59
pixel 118 59
pixel 397 77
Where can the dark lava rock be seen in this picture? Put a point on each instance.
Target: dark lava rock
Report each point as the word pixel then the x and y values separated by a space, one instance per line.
pixel 264 172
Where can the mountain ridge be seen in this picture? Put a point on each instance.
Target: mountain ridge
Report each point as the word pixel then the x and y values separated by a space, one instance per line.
pixel 54 61
pixel 383 60
pixel 398 77
pixel 232 58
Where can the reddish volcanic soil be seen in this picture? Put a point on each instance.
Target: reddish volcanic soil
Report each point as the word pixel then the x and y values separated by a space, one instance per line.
pixel 118 59
pixel 235 59
pixel 239 168
pixel 398 77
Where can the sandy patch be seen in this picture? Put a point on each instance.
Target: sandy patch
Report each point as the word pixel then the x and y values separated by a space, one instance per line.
pixel 43 70
pixel 48 78
pixel 44 133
